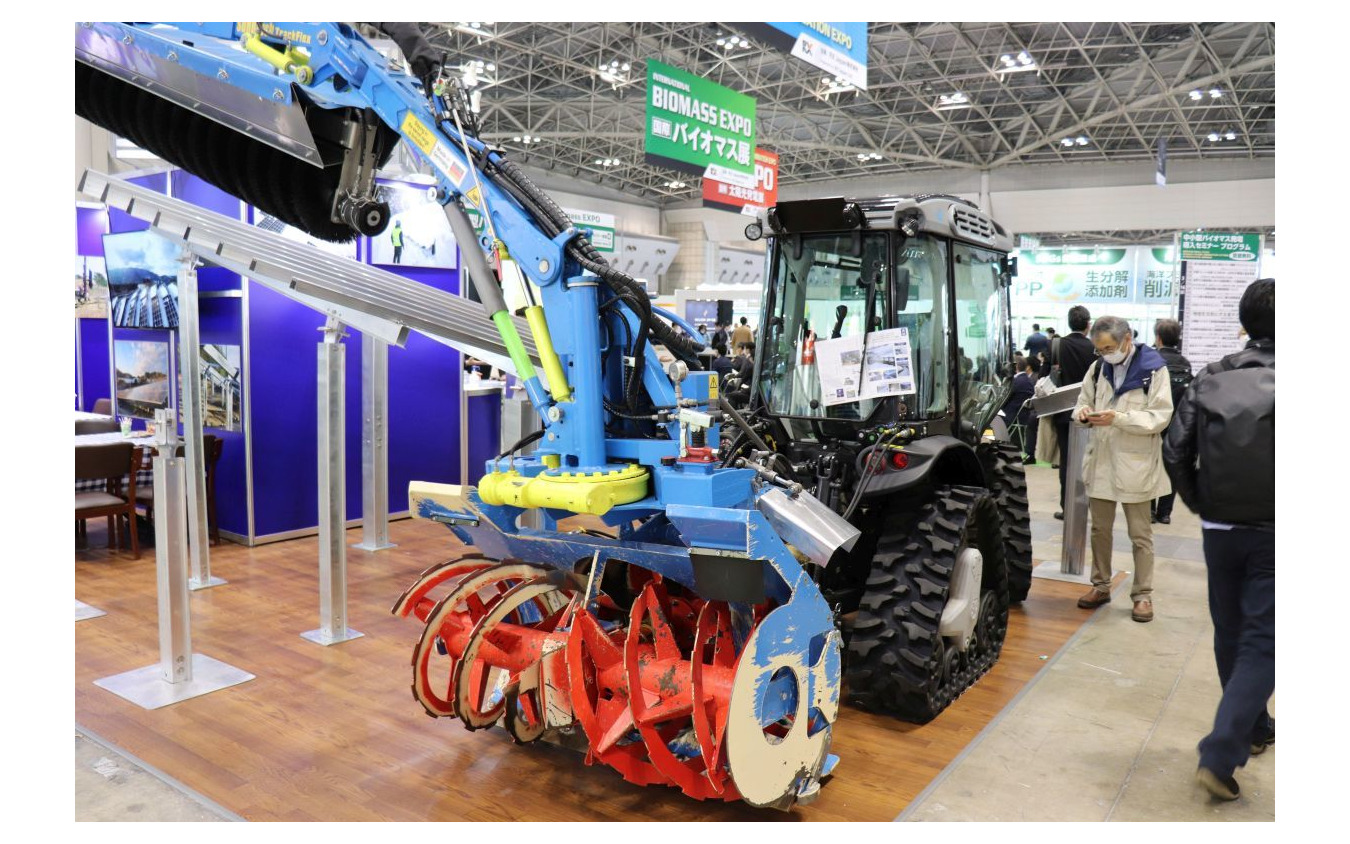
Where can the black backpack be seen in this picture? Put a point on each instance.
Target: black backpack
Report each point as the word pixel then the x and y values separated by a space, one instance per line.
pixel 1181 377
pixel 1235 414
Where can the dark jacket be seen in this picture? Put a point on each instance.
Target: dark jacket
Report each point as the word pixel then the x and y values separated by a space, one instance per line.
pixel 1215 476
pixel 1037 343
pixel 1022 389
pixel 1076 354
pixel 722 365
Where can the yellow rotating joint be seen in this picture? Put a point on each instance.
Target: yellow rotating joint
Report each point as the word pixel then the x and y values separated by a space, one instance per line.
pixel 589 494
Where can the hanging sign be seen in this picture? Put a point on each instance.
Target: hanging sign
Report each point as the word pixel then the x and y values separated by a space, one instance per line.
pixel 700 127
pixel 1073 276
pixel 1219 246
pixel 839 49
pixel 733 197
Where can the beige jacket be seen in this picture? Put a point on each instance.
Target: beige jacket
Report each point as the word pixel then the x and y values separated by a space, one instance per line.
pixel 1124 459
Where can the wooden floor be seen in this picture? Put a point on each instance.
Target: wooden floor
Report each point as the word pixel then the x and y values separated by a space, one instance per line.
pixel 334 733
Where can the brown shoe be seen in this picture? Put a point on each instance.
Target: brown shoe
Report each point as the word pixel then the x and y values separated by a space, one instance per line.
pixel 1093 599
pixel 1143 611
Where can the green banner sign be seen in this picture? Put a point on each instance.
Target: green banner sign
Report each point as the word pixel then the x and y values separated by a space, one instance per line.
pixel 1220 246
pixel 699 126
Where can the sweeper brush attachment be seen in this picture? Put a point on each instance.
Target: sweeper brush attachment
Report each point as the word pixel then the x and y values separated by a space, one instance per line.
pixel 314 171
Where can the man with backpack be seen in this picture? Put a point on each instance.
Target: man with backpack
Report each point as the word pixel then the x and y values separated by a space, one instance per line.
pixel 1167 340
pixel 1128 402
pixel 1220 454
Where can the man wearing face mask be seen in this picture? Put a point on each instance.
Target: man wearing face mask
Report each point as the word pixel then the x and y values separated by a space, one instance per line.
pixel 1127 399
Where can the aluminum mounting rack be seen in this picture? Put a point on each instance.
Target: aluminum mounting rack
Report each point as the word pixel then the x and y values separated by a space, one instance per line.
pixel 370 300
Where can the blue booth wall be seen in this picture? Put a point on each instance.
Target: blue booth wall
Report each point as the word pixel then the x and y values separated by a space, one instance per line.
pixel 423 419
pixel 280 369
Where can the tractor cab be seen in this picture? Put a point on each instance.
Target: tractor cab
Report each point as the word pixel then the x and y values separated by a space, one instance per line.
pixel 916 289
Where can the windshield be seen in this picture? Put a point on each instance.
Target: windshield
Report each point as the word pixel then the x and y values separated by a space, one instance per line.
pixel 820 295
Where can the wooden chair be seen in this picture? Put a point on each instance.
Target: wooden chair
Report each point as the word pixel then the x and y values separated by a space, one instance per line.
pixel 103 406
pixel 96 426
pixel 109 462
pixel 212 448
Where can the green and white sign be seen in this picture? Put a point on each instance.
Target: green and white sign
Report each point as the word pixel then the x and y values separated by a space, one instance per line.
pixel 698 126
pixel 1220 246
pixel 601 226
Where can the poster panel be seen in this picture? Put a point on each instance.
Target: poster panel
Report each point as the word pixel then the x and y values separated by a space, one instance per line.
pixel 727 196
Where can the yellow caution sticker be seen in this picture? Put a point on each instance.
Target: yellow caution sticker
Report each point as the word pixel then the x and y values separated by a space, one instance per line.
pixel 419 133
pixel 475 196
pixel 712 388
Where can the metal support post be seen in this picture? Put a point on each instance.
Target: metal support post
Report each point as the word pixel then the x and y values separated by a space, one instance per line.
pixel 1075 501
pixel 519 421
pixel 180 674
pixel 332 490
pixel 374 445
pixel 189 364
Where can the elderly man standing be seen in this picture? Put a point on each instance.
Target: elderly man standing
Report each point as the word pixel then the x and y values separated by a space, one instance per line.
pixel 1127 399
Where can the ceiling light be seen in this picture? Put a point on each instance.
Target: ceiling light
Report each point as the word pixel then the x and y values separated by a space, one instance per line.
pixel 1082 140
pixel 626 66
pixel 1213 136
pixel 491 67
pixel 721 42
pixel 1068 142
pixel 1230 135
pixel 1215 93
pixel 1023 62
pixel 676 185
pixel 1195 95
pixel 947 102
pixel 516 139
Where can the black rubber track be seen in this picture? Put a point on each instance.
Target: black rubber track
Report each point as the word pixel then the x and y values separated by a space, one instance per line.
pixel 897 663
pixel 1008 483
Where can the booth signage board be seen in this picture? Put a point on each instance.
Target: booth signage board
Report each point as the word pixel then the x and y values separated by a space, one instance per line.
pixel 601 226
pixel 839 49
pixel 697 126
pixel 733 197
pixel 1074 276
pixel 1216 268
pixel 1220 246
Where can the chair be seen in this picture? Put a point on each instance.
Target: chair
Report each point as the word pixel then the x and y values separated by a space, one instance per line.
pixel 96 426
pixel 109 462
pixel 212 448
pixel 103 406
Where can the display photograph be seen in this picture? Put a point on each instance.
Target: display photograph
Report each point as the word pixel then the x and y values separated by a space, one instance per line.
pixel 91 288
pixel 266 222
pixel 222 389
pixel 142 372
pixel 418 234
pixel 142 279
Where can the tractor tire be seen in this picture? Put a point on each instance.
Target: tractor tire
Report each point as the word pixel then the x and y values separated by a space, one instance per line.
pixel 897 661
pixel 1008 484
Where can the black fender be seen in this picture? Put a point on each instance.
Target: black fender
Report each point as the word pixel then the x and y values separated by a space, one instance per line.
pixel 933 461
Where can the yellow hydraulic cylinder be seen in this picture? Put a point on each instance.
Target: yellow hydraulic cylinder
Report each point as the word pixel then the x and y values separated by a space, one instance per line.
pixel 543 341
pixel 290 61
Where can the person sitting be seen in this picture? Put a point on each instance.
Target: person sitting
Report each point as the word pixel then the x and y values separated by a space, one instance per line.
pixel 1017 416
pixel 721 363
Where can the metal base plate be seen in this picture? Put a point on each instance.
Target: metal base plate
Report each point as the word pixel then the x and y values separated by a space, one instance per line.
pixel 318 637
pixel 361 546
pixel 84 611
pixel 194 585
pixel 147 688
pixel 1050 570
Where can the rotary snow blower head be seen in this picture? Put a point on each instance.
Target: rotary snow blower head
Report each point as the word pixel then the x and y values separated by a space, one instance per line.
pixel 310 167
